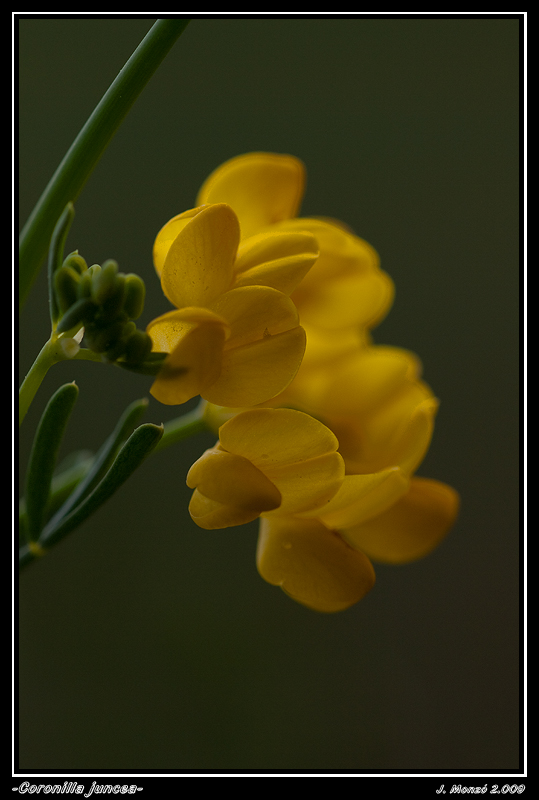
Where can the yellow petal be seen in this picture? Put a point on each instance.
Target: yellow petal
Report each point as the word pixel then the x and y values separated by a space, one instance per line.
pixel 256 372
pixel 341 252
pixel 279 259
pixel 211 515
pixel 361 497
pixel 307 484
pixel 410 450
pixel 345 286
pixel 369 378
pixel 195 361
pixel 325 347
pixel 312 564
pixel 326 353
pixel 412 527
pixel 199 263
pixel 274 437
pixel 232 483
pixel 167 330
pixel 262 188
pixel 255 312
pixel 167 234
pixel 361 300
pixel 397 434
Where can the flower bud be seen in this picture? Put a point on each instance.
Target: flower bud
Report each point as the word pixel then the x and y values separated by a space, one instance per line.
pixel 113 304
pixel 128 330
pixel 84 286
pixel 103 338
pixel 80 311
pixel 135 293
pixel 137 347
pixel 104 282
pixel 66 281
pixel 75 261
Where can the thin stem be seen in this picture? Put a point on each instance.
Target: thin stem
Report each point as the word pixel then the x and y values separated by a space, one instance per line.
pixel 182 427
pixel 58 348
pixel 89 146
pixel 34 377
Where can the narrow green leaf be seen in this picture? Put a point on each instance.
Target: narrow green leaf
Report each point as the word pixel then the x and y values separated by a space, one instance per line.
pixel 44 453
pixel 81 158
pixel 56 256
pixel 138 446
pixel 103 458
pixel 69 474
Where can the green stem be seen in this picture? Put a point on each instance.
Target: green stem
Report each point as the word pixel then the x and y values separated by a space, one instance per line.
pixel 182 427
pixel 89 146
pixel 58 348
pixel 35 376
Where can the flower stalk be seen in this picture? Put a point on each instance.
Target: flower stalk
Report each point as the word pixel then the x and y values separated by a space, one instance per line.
pixel 56 349
pixel 183 427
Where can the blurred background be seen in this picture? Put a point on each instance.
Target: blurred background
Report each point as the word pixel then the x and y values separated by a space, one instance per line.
pixel 148 643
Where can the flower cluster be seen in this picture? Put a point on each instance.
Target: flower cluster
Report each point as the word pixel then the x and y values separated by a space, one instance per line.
pixel 104 303
pixel 327 459
pixel 234 338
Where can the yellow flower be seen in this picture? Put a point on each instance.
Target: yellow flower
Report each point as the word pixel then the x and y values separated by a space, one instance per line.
pixel 380 409
pixel 275 462
pixel 262 188
pixel 373 400
pixel 235 338
pixel 329 569
pixel 312 564
pixel 332 478
pixel 383 415
pixel 346 287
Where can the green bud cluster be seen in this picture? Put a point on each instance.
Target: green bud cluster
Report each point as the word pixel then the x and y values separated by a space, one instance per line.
pixel 105 302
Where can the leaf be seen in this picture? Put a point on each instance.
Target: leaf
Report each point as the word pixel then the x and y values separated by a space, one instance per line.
pixel 132 454
pixel 103 458
pixel 69 474
pixel 44 453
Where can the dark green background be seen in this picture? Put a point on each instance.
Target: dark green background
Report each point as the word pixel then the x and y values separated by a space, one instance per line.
pixel 147 643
